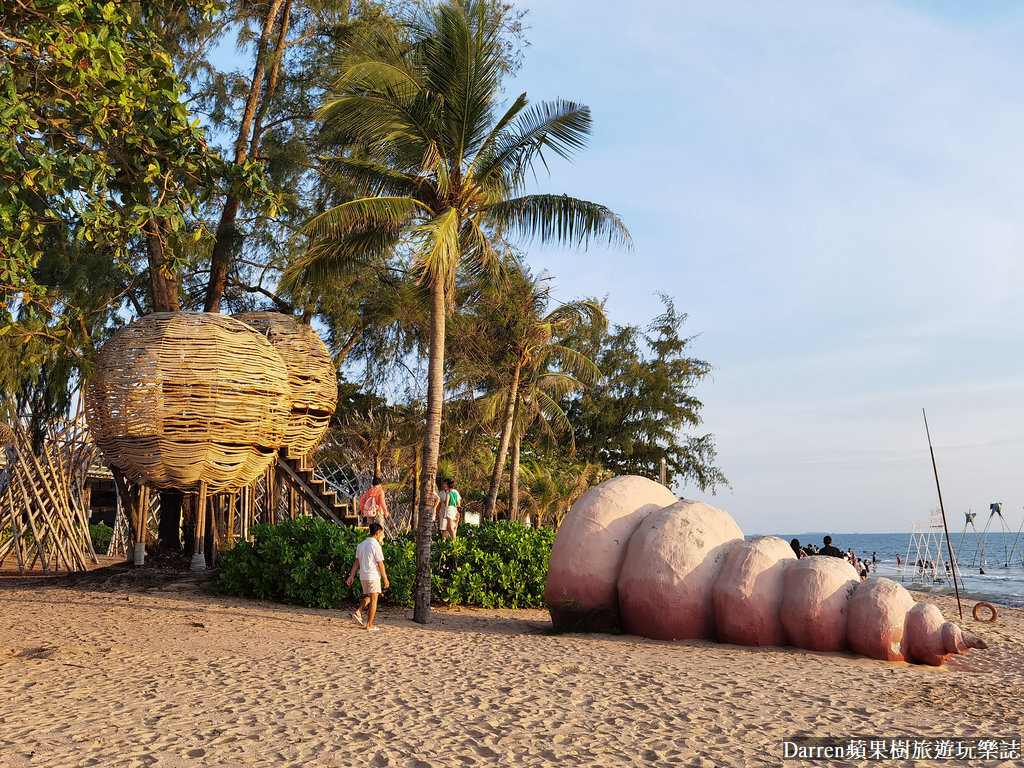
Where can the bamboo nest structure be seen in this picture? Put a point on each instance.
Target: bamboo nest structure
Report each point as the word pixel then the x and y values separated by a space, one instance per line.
pixel 184 400
pixel 312 380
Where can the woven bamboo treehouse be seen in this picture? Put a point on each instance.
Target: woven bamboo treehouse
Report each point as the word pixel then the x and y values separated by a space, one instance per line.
pixel 202 404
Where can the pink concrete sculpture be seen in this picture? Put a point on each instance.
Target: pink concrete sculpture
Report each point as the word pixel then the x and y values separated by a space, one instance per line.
pixel 672 563
pixel 629 555
pixel 813 609
pixel 748 592
pixel 583 574
pixel 930 640
pixel 877 612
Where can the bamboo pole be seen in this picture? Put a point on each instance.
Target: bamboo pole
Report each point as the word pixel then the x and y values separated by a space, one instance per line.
pixel 30 515
pixel 949 545
pixel 58 515
pixel 50 521
pixel 16 541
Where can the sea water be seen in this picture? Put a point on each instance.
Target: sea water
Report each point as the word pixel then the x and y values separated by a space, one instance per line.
pixel 990 566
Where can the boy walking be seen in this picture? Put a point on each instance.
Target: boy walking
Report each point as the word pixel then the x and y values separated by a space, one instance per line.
pixel 370 566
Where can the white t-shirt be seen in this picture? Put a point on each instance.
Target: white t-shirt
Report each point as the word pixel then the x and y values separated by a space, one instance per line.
pixel 369 554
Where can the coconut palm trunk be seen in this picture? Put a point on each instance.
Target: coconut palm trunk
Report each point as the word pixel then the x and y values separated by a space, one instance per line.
pixel 506 433
pixel 513 480
pixel 431 449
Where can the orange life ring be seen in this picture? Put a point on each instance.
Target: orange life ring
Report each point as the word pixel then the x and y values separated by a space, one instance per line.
pixel 987 606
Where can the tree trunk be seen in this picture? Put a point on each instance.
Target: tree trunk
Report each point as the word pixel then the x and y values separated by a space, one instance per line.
pixel 170 521
pixel 431 449
pixel 164 287
pixel 506 434
pixel 415 490
pixel 228 237
pixel 513 480
pixel 165 299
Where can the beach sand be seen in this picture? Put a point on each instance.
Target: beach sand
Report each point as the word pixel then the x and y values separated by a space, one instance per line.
pixel 94 674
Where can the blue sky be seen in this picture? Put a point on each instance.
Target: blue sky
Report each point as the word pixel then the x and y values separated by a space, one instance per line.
pixel 834 193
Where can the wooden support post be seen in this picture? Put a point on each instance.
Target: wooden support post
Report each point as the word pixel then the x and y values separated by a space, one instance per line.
pixel 139 549
pixel 198 557
pixel 230 532
pixel 271 511
pixel 213 518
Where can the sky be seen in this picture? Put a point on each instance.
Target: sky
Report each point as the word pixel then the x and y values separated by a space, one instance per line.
pixel 834 193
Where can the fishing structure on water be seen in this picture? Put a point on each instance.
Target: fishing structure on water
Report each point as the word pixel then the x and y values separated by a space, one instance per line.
pixel 980 558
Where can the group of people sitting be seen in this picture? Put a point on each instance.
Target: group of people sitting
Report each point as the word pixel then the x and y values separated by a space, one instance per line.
pixel 863 566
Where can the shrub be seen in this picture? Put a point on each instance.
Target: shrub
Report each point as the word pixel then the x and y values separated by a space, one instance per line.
pixel 301 562
pixel 306 561
pixel 496 565
pixel 101 535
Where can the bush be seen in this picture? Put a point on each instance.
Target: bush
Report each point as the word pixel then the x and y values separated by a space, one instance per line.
pixel 496 565
pixel 101 535
pixel 306 561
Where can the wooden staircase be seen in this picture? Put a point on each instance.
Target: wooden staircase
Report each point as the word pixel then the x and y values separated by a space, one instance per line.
pixel 320 500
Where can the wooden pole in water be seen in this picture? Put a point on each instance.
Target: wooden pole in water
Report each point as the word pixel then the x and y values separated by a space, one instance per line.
pixel 952 561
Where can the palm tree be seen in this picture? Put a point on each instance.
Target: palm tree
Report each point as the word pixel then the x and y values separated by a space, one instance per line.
pixel 551 492
pixel 534 371
pixel 443 177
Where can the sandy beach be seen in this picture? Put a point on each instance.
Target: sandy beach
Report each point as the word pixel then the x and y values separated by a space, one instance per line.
pixel 101 674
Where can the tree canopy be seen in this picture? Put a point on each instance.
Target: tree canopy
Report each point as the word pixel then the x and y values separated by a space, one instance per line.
pixel 366 166
pixel 643 409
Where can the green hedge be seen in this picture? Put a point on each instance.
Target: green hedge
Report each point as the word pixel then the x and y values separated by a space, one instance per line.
pixel 306 561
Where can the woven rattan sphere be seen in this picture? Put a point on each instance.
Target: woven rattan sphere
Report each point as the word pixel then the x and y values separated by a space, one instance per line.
pixel 185 397
pixel 311 377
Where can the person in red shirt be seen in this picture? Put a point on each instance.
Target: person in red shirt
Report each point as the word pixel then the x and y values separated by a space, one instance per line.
pixel 372 504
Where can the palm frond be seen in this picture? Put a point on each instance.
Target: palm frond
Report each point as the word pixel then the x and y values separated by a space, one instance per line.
pixel 364 213
pixel 560 126
pixel 439 254
pixel 558 218
pixel 582 367
pixel 328 257
pixel 371 177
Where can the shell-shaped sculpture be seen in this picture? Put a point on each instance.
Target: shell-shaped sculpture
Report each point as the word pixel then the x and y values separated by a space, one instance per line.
pixel 687 572
pixel 747 593
pixel 181 398
pixel 587 555
pixel 875 621
pixel 312 380
pixel 672 562
pixel 816 591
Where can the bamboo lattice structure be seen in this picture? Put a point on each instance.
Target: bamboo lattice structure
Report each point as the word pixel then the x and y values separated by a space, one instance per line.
pixel 189 401
pixel 43 518
pixel 312 380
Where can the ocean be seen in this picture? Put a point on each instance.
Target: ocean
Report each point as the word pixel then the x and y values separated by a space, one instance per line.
pixel 990 566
